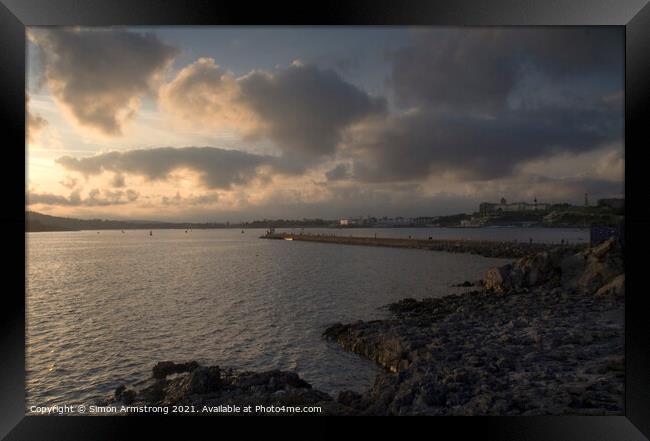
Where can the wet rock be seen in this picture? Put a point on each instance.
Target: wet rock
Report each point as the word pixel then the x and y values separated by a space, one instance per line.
pixel 465 284
pixel 164 368
pixel 486 353
pixel 616 287
pixel 498 279
pixel 212 386
pixel 119 391
pixel 349 398
pixel 128 396
pixel 204 380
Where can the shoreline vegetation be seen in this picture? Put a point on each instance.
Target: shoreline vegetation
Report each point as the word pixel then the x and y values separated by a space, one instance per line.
pixel 543 335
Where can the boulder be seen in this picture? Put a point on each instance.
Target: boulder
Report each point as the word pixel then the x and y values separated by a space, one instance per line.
pixel 203 380
pixel 498 279
pixel 586 271
pixel 616 287
pixel 164 368
pixel 602 264
pixel 571 268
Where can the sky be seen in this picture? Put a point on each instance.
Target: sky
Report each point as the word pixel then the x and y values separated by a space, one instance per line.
pixel 243 123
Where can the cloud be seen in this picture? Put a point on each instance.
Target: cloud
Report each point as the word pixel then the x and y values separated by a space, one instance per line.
pixel 301 108
pixel 190 200
pixel 417 144
pixel 35 123
pixel 218 168
pixel 99 76
pixel 304 109
pixel 95 198
pixel 69 182
pixel 474 115
pixel 118 181
pixel 477 103
pixel 205 93
pixel 341 171
pixel 476 70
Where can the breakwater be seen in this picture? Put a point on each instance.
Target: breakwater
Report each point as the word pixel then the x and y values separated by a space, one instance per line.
pixel 484 248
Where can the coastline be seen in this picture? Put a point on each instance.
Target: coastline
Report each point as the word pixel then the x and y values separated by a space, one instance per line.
pixel 543 335
pixel 483 248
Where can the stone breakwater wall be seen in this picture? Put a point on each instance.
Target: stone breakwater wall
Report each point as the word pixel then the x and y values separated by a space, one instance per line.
pixel 480 247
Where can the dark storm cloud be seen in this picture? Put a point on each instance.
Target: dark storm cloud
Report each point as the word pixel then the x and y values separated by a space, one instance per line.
pixel 418 144
pixel 477 69
pixel 304 108
pixel 483 101
pixel 99 75
pixel 219 168
pixel 95 198
pixel 341 171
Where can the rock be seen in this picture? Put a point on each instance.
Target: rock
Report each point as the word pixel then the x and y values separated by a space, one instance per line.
pixel 211 386
pixel 349 398
pixel 485 353
pixel 585 271
pixel 590 269
pixel 571 268
pixel 164 368
pixel 600 251
pixel 128 396
pixel 616 287
pixel 204 380
pixel 119 391
pixel 465 284
pixel 498 279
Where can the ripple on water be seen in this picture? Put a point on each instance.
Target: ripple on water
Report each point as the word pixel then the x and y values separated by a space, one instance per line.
pixel 103 309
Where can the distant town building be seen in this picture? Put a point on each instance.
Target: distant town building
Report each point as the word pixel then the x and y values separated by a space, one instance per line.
pixel 614 203
pixel 504 207
pixel 424 220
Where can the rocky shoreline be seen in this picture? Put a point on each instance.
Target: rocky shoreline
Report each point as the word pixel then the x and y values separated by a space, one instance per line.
pixel 541 336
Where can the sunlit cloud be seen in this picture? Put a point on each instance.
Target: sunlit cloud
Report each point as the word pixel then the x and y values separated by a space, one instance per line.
pixel 218 168
pixel 463 116
pixel 94 198
pixel 99 76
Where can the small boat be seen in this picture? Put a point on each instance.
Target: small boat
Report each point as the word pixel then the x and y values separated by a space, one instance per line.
pixel 242 231
pixel 288 238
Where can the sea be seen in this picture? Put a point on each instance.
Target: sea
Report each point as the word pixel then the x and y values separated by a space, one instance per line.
pixel 103 307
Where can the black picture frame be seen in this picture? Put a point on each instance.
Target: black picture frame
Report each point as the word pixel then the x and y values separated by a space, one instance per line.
pixel 633 15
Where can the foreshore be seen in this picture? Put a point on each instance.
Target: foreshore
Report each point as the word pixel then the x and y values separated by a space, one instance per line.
pixel 483 248
pixel 543 335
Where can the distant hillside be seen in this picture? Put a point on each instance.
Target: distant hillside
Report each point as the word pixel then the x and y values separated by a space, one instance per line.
pixel 42 222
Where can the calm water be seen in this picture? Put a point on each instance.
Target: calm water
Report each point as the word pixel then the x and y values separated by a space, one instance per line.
pixel 102 309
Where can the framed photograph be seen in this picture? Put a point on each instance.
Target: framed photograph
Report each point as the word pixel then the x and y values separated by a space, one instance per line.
pixel 378 209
